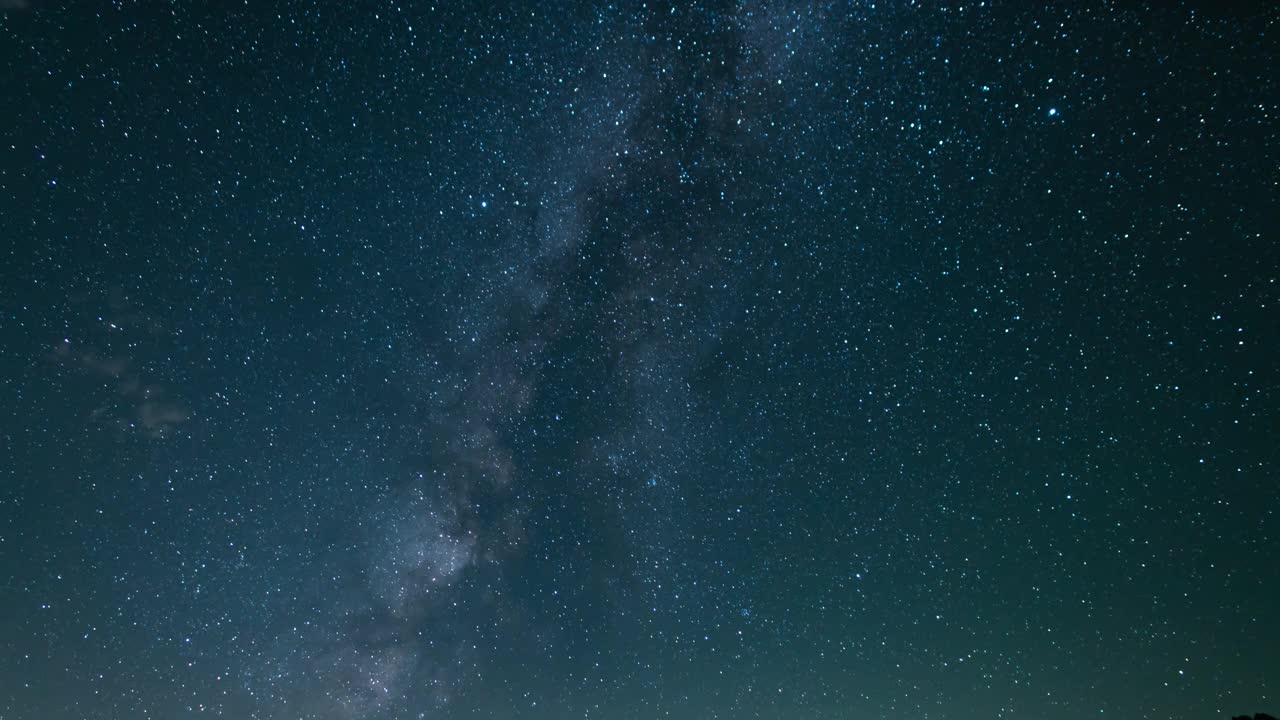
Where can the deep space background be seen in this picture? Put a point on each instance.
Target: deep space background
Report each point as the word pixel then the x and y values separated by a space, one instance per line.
pixel 795 360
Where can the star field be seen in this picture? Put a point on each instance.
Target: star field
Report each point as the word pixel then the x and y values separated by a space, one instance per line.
pixel 748 359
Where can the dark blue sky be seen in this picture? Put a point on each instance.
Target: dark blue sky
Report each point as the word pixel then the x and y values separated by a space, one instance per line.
pixel 720 360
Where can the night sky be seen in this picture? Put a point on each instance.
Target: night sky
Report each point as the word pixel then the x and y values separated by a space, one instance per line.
pixel 779 360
